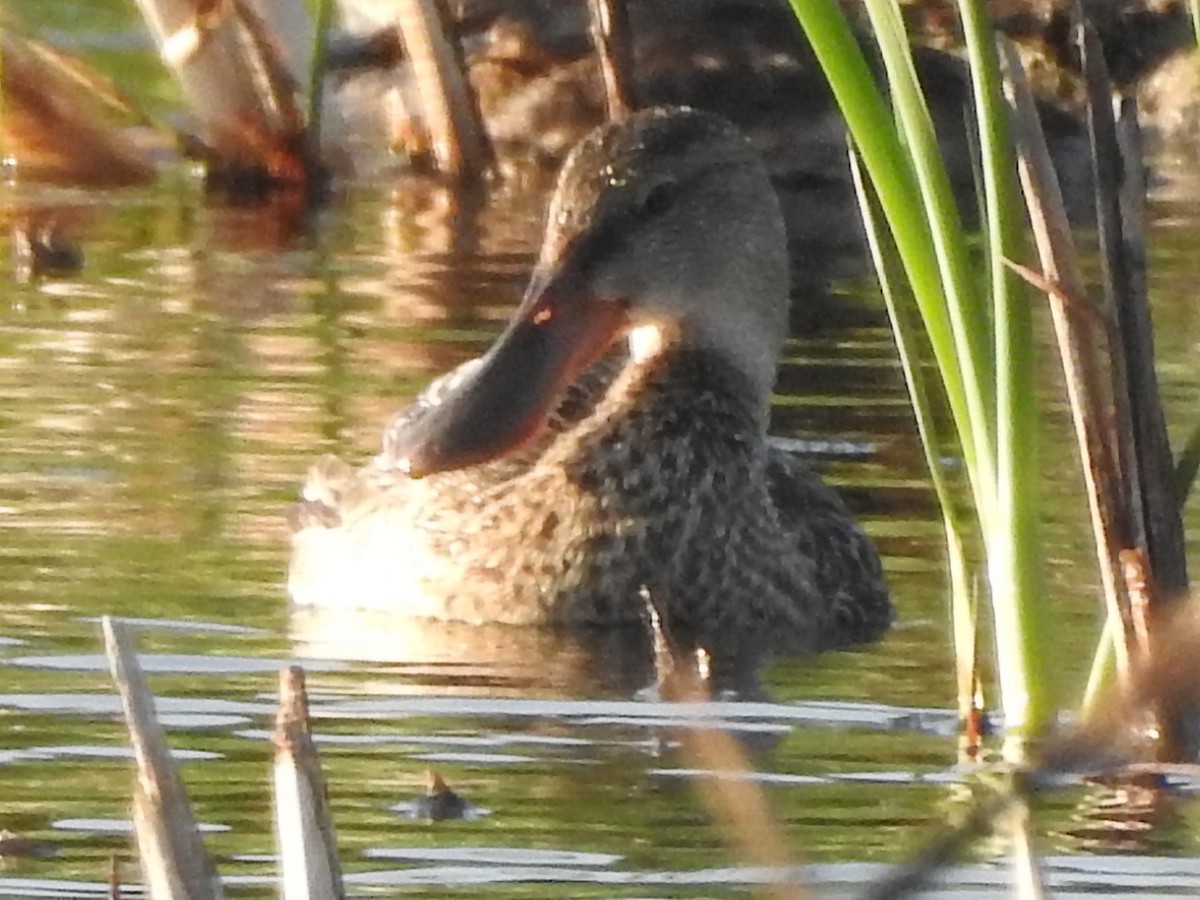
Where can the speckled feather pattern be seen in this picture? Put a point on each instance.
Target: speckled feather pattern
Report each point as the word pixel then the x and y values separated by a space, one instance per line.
pixel 655 473
pixel 667 484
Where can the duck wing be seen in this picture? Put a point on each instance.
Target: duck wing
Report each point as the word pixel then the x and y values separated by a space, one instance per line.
pixel 855 606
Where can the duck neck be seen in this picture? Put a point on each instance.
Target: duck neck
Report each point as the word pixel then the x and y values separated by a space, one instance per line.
pixel 698 387
pixel 678 356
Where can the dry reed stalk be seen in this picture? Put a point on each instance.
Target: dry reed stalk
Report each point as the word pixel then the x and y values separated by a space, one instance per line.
pixel 241 64
pixel 1078 338
pixel 613 40
pixel 52 123
pixel 175 865
pixel 1146 463
pixel 739 807
pixel 308 860
pixel 114 879
pixel 983 817
pixel 460 148
pixel 1121 430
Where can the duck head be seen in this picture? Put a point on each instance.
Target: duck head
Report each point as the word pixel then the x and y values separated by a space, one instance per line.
pixel 664 228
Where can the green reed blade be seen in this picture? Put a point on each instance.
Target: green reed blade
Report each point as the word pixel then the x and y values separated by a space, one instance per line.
pixel 320 67
pixel 892 175
pixel 1187 466
pixel 1013 533
pixel 963 604
pixel 965 305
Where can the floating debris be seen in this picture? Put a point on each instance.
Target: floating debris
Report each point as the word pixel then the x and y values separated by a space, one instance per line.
pixel 14 846
pixel 439 802
pixel 44 250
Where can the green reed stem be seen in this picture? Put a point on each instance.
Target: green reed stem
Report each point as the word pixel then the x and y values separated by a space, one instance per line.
pixel 1013 535
pixel 962 303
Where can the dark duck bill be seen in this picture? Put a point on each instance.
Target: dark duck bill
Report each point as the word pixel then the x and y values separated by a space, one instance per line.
pixel 555 335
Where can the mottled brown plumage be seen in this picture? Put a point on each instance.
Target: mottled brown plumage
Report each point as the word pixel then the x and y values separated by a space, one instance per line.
pixel 651 469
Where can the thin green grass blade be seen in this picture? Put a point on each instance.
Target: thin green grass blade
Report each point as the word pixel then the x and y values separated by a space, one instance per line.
pixel 965 307
pixel 320 64
pixel 1187 466
pixel 1102 674
pixel 963 603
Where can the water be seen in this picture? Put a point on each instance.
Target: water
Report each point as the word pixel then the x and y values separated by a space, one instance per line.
pixel 160 410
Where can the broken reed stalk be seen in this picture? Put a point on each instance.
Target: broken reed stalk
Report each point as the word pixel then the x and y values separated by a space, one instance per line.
pixel 114 879
pixel 307 847
pixel 241 65
pixel 1146 463
pixel 175 865
pixel 1006 812
pixel 459 146
pixel 906 878
pixel 613 40
pixel 739 807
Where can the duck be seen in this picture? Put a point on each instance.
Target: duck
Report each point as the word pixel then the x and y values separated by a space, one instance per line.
pixel 611 447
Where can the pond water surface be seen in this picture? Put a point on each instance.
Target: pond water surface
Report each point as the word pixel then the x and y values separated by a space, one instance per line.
pixel 160 410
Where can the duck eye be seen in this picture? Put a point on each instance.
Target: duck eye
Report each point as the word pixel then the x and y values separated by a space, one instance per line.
pixel 660 197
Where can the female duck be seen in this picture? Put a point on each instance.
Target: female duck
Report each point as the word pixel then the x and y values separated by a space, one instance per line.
pixel 559 476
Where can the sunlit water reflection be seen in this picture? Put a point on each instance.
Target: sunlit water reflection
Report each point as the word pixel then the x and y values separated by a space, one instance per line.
pixel 160 411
